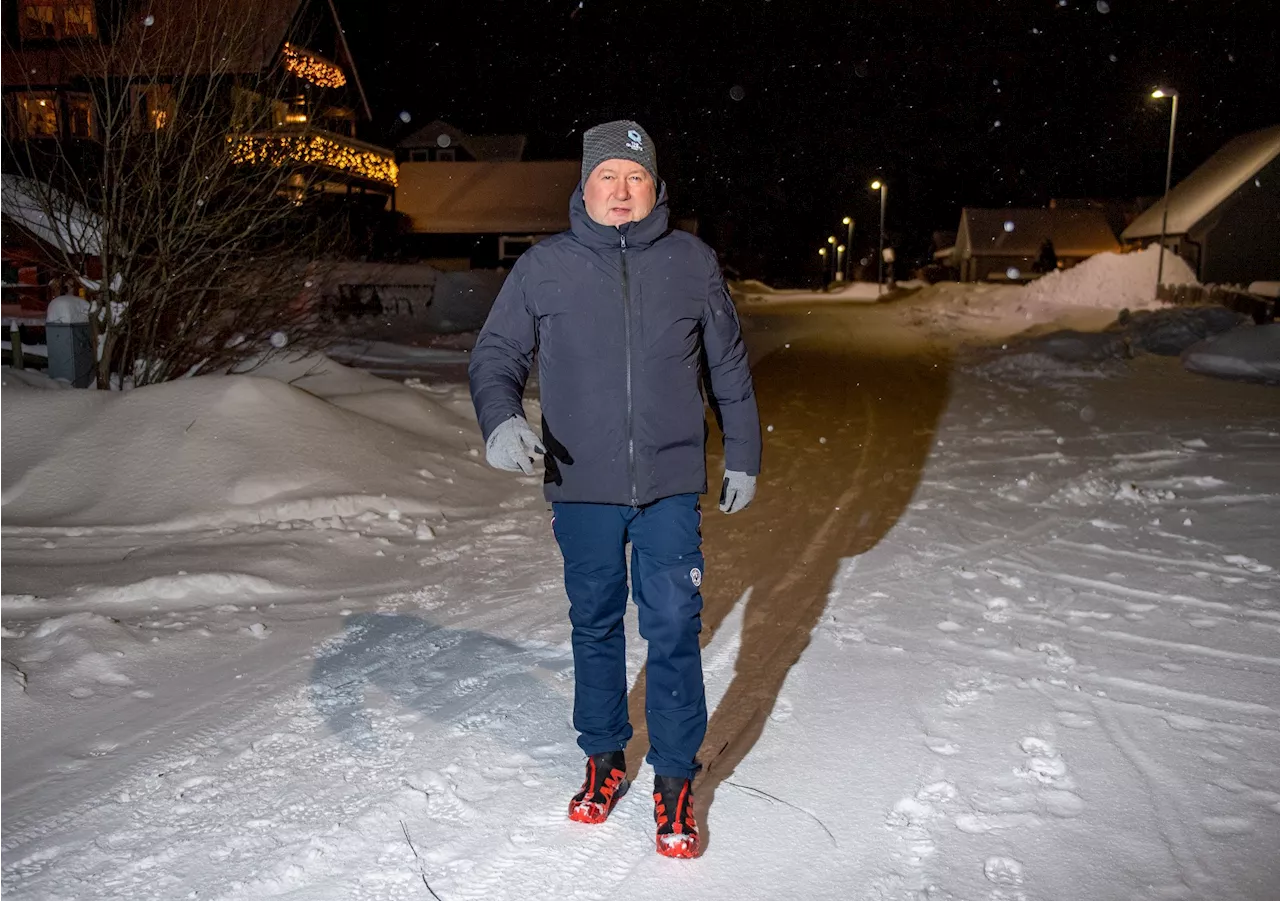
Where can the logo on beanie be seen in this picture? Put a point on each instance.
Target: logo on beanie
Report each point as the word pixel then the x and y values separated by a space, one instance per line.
pixel 695 576
pixel 636 142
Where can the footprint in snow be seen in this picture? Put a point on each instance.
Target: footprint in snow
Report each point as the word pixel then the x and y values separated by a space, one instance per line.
pixel 1003 871
pixel 1248 563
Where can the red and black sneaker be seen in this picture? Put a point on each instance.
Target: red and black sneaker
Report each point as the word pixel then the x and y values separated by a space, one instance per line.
pixel 673 810
pixel 606 782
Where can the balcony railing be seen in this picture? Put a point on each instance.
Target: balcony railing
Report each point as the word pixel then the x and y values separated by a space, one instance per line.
pixel 315 147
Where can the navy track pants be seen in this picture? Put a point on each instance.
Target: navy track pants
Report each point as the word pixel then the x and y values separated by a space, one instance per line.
pixel 666 572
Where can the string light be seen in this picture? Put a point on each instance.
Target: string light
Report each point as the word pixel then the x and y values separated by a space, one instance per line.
pixel 276 150
pixel 312 67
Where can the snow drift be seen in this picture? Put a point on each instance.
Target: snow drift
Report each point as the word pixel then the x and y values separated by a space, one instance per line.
pixel 300 440
pixel 1251 353
pixel 1109 281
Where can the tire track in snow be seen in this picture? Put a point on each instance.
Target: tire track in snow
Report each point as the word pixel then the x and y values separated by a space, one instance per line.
pixel 1163 788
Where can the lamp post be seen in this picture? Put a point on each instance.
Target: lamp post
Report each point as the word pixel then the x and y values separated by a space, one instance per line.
pixel 831 249
pixel 840 249
pixel 880 186
pixel 822 252
pixel 848 242
pixel 1158 94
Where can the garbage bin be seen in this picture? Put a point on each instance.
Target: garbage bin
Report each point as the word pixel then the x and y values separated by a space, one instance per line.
pixel 70 341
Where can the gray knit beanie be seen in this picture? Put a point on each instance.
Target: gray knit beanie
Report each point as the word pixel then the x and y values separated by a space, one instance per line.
pixel 620 140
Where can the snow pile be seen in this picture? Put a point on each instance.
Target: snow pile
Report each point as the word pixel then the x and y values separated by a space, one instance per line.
pixel 1251 353
pixel 1109 281
pixel 299 441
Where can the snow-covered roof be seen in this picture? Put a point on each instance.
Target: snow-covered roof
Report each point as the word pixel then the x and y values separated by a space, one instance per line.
pixel 1020 232
pixel 50 215
pixel 487 198
pixel 1213 181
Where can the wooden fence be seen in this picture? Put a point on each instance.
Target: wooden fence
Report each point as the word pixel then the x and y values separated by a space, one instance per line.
pixel 1262 309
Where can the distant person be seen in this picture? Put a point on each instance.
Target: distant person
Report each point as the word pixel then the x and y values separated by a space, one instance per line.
pixel 622 312
pixel 1048 259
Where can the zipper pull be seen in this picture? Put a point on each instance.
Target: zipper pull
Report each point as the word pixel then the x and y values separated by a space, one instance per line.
pixel 624 242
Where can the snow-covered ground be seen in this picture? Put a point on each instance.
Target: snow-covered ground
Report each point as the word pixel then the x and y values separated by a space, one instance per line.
pixel 999 626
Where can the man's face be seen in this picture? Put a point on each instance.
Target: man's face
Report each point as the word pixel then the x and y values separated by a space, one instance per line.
pixel 619 191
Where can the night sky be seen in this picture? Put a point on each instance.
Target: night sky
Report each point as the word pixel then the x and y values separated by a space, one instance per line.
pixel 771 118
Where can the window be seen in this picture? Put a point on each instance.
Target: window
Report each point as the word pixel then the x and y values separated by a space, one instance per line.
pixel 80 115
pixel 57 19
pixel 37 114
pixel 446 156
pixel 153 106
pixel 37 20
pixel 511 246
pixel 79 21
pixel 419 156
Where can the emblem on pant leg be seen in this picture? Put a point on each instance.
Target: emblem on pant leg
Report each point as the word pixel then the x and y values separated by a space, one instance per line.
pixel 695 575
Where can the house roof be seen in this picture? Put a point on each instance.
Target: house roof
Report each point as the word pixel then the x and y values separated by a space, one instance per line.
pixel 50 215
pixel 487 198
pixel 1020 232
pixel 485 148
pixel 1213 181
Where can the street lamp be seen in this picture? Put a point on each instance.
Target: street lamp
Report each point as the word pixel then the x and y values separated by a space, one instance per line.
pixel 831 240
pixel 848 241
pixel 880 186
pixel 840 249
pixel 1158 94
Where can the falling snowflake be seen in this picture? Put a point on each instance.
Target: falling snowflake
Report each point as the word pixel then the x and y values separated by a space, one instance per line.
pixel 737 92
pixel 404 116
pixel 1013 272
pixel 995 124
pixel 1104 7
pixel 149 21
pixel 279 339
pixel 1008 225
pixel 444 141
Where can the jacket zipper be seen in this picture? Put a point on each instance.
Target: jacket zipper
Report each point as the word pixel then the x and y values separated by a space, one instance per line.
pixel 631 441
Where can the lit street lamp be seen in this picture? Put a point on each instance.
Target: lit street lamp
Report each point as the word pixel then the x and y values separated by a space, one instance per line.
pixel 880 186
pixel 848 242
pixel 831 239
pixel 1158 94
pixel 822 252
pixel 840 248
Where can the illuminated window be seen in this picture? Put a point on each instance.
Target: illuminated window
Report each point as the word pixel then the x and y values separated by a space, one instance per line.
pixel 80 115
pixel 153 106
pixel 37 114
pixel 57 19
pixel 79 21
pixel 38 20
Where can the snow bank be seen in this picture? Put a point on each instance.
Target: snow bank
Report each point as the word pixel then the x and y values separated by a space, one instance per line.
pixel 1251 352
pixel 1110 281
pixel 754 292
pixel 300 440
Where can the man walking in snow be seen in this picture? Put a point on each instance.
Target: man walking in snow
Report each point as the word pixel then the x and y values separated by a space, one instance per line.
pixel 624 313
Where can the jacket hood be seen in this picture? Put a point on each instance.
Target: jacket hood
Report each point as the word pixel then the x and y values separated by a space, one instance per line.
pixel 638 234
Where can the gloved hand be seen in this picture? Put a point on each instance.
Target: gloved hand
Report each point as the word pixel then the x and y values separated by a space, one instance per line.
pixel 736 491
pixel 512 446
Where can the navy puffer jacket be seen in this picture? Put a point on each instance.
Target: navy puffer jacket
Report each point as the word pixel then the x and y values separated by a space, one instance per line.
pixel 619 319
